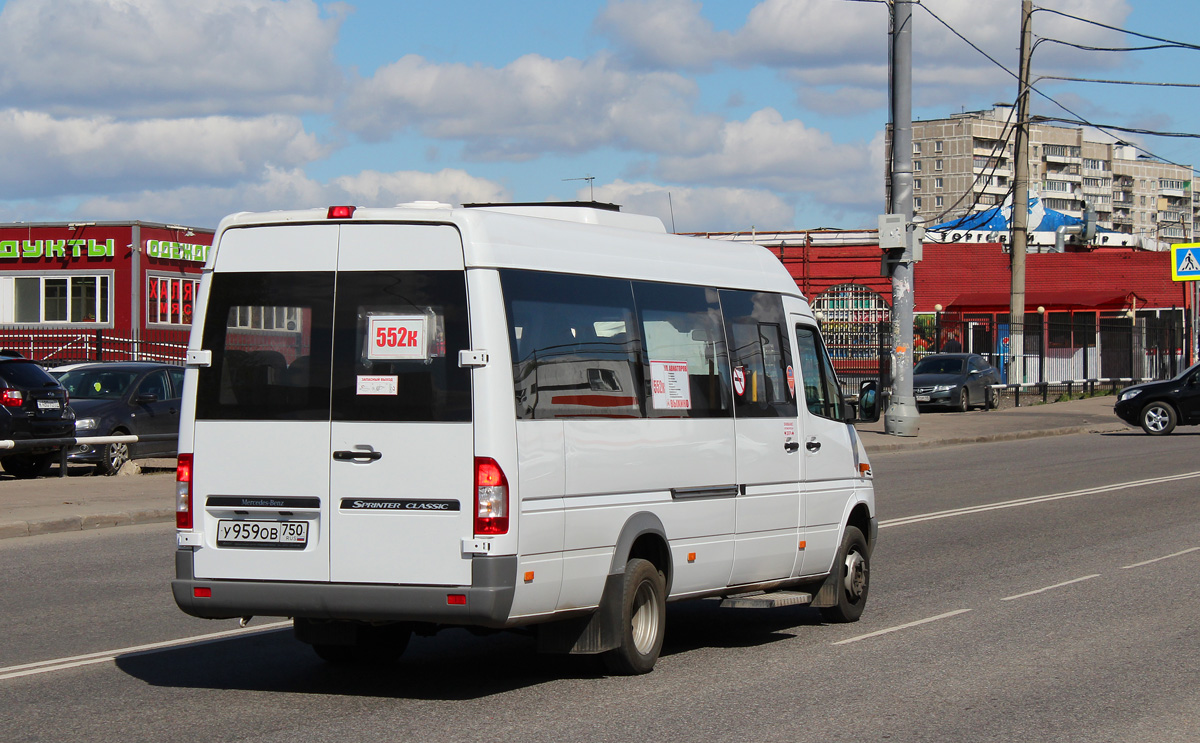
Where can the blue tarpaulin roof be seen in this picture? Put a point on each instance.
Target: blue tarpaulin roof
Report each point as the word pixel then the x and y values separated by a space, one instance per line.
pixel 996 219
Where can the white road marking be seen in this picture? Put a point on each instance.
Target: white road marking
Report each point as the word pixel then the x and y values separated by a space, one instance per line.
pixel 1159 559
pixel 1034 500
pixel 1050 588
pixel 60 664
pixel 897 628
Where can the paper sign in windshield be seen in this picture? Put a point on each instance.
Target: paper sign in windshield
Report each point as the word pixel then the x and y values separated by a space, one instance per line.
pixel 669 385
pixel 398 337
pixel 379 384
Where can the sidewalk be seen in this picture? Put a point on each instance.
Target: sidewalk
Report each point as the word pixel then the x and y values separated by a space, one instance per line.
pixel 81 501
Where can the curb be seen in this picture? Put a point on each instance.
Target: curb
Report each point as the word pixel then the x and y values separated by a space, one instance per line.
pixel 984 438
pixel 38 527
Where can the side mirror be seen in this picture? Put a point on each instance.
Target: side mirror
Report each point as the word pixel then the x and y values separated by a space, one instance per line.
pixel 868 401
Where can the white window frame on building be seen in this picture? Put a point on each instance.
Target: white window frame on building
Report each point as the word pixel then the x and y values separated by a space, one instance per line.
pixel 278 319
pixel 937 146
pixel 937 182
pixel 916 184
pixel 63 298
pixel 937 202
pixel 937 164
pixel 180 297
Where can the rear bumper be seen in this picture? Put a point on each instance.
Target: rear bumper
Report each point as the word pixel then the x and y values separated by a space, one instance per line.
pixel 488 599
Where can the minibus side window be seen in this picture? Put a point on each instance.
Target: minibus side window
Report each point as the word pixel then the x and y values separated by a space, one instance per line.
pixel 575 343
pixel 759 353
pixel 685 361
pixel 269 334
pixel 821 393
pixel 397 335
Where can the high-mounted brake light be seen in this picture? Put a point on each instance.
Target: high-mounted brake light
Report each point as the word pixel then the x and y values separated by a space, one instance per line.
pixel 491 497
pixel 340 212
pixel 183 492
pixel 11 398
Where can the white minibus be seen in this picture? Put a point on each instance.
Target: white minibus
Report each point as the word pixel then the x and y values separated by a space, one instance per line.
pixel 398 420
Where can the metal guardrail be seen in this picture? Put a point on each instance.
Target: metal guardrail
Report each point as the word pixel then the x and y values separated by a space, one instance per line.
pixel 65 444
pixel 1085 385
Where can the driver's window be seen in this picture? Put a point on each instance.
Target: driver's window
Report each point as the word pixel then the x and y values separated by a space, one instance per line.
pixel 155 384
pixel 821 393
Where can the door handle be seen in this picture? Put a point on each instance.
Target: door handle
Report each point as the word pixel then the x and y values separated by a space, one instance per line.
pixel 354 456
pixel 812 445
pixel 791 447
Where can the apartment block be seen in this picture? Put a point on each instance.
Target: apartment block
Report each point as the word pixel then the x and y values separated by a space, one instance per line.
pixel 966 163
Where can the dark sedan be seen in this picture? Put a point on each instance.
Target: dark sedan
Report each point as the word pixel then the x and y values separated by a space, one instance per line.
pixel 113 399
pixel 1159 406
pixel 959 381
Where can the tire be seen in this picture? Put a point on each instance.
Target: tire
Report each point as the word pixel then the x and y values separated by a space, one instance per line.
pixel 643 620
pixel 28 466
pixel 373 646
pixel 114 456
pixel 989 399
pixel 1158 418
pixel 964 400
pixel 853 576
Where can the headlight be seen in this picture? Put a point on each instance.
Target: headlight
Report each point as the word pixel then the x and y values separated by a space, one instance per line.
pixel 944 387
pixel 1128 395
pixel 85 424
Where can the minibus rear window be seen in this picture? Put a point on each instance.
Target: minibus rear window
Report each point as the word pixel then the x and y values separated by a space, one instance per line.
pixel 270 335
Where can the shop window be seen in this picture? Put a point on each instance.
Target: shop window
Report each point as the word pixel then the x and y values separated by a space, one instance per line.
pixel 61 299
pixel 169 301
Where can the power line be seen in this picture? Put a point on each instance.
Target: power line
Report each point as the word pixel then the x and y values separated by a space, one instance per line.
pixel 1086 48
pixel 1172 42
pixel 1117 82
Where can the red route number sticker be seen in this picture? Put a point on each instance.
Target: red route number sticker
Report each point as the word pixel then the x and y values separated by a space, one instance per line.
pixel 398 337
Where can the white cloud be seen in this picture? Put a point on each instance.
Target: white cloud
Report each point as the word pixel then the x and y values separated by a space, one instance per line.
pixel 698 209
pixel 169 58
pixel 664 33
pixel 44 155
pixel 531 106
pixel 768 151
pixel 292 189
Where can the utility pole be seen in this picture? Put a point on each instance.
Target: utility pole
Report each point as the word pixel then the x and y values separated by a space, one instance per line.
pixel 1020 212
pixel 902 418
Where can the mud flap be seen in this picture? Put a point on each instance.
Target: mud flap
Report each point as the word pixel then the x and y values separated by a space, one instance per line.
pixel 829 595
pixel 591 634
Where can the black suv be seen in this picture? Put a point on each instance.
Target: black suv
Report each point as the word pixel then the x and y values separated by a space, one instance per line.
pixel 1158 406
pixel 33 405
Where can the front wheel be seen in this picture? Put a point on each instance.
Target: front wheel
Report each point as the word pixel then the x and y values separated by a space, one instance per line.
pixel 964 400
pixel 114 457
pixel 853 575
pixel 1158 419
pixel 643 620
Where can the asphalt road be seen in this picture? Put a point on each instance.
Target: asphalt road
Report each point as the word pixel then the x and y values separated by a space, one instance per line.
pixel 1020 591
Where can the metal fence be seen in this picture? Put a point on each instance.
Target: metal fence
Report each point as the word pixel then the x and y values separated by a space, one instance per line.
pixel 1081 352
pixel 57 347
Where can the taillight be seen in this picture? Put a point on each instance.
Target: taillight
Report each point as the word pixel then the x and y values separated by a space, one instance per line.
pixel 11 398
pixel 491 497
pixel 183 492
pixel 340 212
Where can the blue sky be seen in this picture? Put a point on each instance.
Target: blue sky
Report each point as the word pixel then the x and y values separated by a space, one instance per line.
pixel 716 115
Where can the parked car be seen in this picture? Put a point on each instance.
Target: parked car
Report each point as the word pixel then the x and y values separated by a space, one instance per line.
pixel 1159 406
pixel 955 380
pixel 33 405
pixel 126 397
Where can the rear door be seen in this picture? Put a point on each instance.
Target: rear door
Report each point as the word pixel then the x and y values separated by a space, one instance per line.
pixel 261 437
pixel 401 442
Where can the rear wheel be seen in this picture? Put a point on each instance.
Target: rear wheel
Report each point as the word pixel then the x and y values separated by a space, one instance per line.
pixel 1158 419
pixel 853 577
pixel 28 466
pixel 643 620
pixel 114 456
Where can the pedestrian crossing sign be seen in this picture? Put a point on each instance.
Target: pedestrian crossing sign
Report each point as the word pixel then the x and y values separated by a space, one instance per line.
pixel 1185 262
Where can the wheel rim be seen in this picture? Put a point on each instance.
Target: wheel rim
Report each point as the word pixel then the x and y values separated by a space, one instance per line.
pixel 118 454
pixel 645 618
pixel 1156 419
pixel 856 575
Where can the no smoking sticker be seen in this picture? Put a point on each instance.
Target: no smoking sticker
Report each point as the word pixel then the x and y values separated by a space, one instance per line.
pixel 739 381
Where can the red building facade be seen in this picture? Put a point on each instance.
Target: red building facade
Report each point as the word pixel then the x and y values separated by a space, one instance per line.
pixel 111 290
